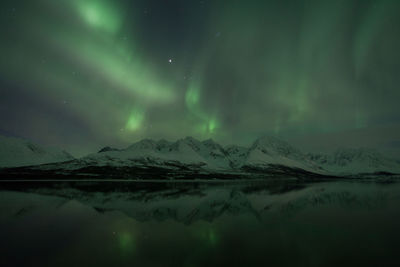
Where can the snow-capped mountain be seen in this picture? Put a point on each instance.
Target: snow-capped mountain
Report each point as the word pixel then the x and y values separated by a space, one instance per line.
pixel 353 161
pixel 187 151
pixel 264 153
pixel 16 152
pixel 188 156
pixel 272 151
pixel 236 155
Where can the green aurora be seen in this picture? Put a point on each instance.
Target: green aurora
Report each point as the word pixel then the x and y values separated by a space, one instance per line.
pixel 86 73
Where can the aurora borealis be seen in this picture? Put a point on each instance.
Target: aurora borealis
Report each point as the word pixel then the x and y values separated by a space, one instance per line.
pixel 87 73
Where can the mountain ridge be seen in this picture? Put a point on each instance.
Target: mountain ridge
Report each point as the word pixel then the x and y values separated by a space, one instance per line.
pixel 17 152
pixel 266 155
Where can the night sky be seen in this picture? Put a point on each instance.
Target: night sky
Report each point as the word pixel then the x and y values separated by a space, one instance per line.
pixel 82 74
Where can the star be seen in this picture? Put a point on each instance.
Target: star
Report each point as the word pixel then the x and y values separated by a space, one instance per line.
pixel 170 60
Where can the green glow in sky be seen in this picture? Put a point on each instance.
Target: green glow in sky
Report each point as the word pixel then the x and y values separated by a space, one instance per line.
pixel 212 125
pixel 192 97
pixel 111 72
pixel 208 123
pixel 135 120
pixel 100 14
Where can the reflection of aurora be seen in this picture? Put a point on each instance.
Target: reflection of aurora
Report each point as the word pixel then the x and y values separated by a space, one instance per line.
pixel 204 225
pixel 208 235
pixel 126 242
pixel 126 70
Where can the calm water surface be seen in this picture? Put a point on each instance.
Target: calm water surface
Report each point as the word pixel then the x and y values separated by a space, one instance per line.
pixel 200 224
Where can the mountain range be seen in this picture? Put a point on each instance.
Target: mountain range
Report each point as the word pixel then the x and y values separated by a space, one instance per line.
pixel 189 158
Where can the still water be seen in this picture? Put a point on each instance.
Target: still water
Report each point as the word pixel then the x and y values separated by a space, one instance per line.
pixel 281 223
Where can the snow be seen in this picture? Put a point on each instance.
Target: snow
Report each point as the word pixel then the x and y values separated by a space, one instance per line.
pixel 206 155
pixel 186 151
pixel 236 155
pixel 269 150
pixel 264 152
pixel 354 161
pixel 209 154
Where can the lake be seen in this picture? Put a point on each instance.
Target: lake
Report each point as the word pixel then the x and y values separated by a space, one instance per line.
pixel 282 222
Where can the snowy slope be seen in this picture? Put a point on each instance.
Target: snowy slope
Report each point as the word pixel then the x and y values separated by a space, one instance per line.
pixel 16 152
pixel 188 154
pixel 353 161
pixel 236 154
pixel 269 150
pixel 150 152
pixel 208 154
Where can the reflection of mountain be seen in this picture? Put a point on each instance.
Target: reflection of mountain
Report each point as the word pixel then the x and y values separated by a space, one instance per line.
pixel 190 203
pixel 189 158
pixel 211 203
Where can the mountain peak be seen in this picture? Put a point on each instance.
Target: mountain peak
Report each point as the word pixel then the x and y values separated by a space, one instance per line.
pixel 358 151
pixel 190 139
pixel 107 149
pixel 212 144
pixel 209 141
pixel 266 152
pixel 356 160
pixel 270 144
pixel 143 144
